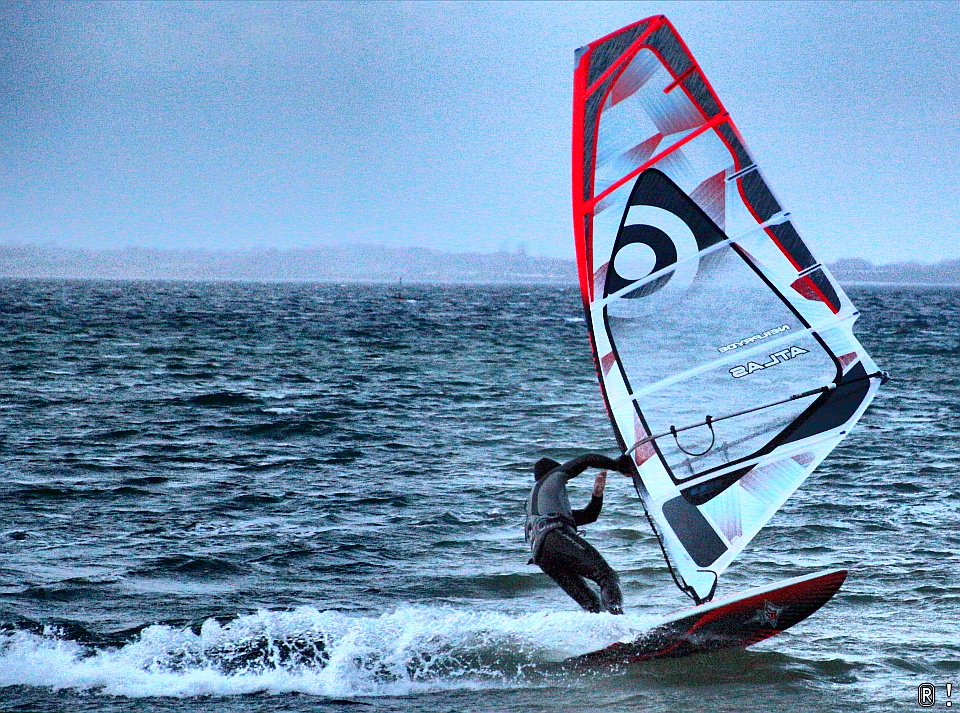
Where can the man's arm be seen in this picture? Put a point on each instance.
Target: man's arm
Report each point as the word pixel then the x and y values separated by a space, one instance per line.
pixel 575 467
pixel 590 513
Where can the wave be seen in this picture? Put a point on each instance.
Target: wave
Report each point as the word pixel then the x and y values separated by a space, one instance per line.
pixel 186 565
pixel 222 398
pixel 326 653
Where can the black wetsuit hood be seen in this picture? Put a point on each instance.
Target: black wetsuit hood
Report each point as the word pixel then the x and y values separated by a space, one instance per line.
pixel 544 466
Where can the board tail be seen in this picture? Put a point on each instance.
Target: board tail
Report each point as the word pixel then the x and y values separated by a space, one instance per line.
pixel 733 622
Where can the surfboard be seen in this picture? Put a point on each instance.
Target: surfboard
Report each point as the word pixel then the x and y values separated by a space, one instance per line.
pixel 734 622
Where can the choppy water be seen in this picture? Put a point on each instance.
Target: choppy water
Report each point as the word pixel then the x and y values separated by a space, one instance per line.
pixel 245 497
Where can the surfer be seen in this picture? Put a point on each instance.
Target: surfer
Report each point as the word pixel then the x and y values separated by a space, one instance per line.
pixel 551 531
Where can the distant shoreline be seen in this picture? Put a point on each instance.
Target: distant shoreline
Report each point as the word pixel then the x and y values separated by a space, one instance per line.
pixel 392 285
pixel 865 283
pixel 352 263
pixel 411 283
pixel 373 264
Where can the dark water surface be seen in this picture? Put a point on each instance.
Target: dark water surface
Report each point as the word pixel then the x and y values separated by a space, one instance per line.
pixel 287 497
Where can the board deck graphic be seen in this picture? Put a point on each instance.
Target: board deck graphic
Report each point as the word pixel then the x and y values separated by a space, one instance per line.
pixel 733 622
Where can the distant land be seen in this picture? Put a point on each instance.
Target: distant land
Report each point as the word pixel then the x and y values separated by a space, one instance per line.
pixel 856 270
pixel 351 263
pixel 368 263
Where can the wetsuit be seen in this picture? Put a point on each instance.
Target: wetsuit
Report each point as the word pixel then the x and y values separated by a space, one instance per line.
pixel 551 530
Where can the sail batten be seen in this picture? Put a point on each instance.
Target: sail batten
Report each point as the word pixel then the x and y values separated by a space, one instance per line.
pixel 749 336
pixel 735 357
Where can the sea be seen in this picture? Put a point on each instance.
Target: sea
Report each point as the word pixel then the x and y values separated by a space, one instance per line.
pixel 271 497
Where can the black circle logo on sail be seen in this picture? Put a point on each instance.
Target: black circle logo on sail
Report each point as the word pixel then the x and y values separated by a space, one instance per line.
pixel 644 249
pixel 661 227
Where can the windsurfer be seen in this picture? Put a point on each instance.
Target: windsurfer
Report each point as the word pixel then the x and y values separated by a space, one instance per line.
pixel 551 531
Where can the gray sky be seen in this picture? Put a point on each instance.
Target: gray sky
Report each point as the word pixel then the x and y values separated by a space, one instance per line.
pixel 448 125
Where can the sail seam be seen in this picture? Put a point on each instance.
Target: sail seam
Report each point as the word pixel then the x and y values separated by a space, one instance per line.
pixel 715 121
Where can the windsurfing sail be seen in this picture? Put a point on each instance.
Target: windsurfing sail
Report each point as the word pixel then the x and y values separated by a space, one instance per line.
pixel 724 349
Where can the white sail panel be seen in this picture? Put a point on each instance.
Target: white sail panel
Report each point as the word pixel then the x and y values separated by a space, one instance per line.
pixel 724 350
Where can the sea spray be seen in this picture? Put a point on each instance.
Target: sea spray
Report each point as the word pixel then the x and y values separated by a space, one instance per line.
pixel 328 653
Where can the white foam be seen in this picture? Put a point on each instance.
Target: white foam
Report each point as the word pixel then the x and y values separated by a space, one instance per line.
pixel 327 653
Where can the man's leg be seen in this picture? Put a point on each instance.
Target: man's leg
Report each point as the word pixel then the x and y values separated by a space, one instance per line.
pixel 592 565
pixel 558 558
pixel 576 586
pixel 610 592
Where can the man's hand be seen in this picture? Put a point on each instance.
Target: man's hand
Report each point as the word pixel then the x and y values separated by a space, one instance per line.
pixel 599 484
pixel 626 465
